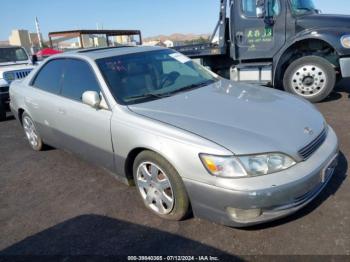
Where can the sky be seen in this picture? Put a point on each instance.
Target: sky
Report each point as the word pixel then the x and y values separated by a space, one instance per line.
pixel 152 17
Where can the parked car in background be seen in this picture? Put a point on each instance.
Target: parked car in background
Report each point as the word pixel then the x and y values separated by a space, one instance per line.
pixel 14 64
pixel 236 154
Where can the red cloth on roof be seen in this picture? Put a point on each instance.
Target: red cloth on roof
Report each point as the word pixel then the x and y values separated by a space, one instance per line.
pixel 48 52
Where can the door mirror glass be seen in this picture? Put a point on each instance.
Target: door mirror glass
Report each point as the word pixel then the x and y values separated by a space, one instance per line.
pixel 91 98
pixel 260 8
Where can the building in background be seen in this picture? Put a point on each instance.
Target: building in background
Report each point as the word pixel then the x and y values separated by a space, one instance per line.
pixel 34 39
pixel 25 39
pixel 100 41
pixel 20 38
pixel 155 43
pixel 4 42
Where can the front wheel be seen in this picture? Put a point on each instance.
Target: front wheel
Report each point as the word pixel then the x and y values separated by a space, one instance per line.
pixel 310 77
pixel 160 186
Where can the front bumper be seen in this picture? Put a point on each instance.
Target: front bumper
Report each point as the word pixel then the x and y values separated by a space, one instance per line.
pixel 276 195
pixel 4 95
pixel 345 66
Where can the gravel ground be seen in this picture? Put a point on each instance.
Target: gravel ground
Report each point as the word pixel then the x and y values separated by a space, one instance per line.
pixel 52 203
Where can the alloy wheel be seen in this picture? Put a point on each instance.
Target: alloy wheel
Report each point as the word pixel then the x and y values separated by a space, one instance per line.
pixel 155 188
pixel 30 131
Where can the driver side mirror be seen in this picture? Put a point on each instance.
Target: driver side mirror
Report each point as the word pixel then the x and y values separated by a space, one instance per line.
pixel 260 8
pixel 92 99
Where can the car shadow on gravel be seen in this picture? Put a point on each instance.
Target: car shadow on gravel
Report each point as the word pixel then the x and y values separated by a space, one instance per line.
pixel 333 185
pixel 95 235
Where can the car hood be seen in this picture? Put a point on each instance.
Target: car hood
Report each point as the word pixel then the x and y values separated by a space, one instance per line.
pixel 244 119
pixel 323 21
pixel 13 67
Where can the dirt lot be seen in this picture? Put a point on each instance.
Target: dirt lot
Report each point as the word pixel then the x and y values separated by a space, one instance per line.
pixel 52 203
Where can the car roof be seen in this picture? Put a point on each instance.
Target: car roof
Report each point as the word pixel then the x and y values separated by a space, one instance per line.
pixel 98 53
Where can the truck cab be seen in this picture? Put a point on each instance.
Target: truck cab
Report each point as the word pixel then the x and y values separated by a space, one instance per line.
pixel 15 64
pixel 286 44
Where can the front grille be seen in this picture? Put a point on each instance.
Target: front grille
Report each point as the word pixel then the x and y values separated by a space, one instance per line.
pixel 311 148
pixel 22 74
pixel 15 75
pixel 4 89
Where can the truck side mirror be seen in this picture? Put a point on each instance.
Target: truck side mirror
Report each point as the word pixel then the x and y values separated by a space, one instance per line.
pixel 260 8
pixel 259 12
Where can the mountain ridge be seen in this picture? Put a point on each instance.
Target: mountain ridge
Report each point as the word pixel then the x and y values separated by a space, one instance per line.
pixel 176 37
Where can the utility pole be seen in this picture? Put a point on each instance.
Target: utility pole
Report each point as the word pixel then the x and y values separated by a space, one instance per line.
pixel 38 32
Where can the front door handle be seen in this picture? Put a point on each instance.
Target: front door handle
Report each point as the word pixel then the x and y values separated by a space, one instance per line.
pixel 61 111
pixel 239 37
pixel 32 103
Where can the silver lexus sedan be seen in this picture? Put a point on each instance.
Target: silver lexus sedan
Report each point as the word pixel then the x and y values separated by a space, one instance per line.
pixel 189 140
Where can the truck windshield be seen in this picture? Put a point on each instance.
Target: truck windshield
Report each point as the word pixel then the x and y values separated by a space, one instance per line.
pixel 303 6
pixel 12 54
pixel 145 76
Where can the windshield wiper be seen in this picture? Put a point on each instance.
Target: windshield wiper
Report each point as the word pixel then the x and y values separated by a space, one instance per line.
pixel 191 87
pixel 160 95
pixel 150 95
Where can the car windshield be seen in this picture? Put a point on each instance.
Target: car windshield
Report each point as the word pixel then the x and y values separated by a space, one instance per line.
pixel 12 55
pixel 145 76
pixel 303 6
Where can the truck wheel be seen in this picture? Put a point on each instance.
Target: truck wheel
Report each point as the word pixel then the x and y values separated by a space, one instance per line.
pixel 160 186
pixel 2 112
pixel 32 134
pixel 310 77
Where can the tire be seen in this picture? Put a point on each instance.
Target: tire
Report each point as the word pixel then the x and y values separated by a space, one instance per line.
pixel 32 135
pixel 150 186
pixel 310 77
pixel 2 112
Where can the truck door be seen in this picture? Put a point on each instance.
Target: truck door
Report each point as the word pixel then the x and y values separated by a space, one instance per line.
pixel 258 38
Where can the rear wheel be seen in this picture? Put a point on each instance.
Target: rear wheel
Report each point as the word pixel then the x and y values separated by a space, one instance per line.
pixel 160 186
pixel 310 77
pixel 31 133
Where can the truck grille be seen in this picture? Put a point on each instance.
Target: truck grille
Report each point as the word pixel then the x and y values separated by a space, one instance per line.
pixel 15 75
pixel 308 150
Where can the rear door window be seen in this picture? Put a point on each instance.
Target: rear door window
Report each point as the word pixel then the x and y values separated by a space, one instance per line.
pixel 50 76
pixel 78 77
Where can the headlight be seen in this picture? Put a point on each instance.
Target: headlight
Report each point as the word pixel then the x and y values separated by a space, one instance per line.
pixel 223 166
pixel 345 41
pixel 257 165
pixel 245 166
pixel 3 82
